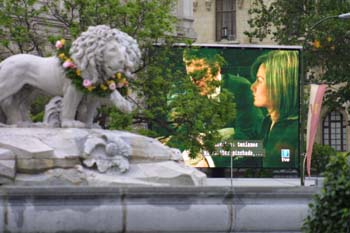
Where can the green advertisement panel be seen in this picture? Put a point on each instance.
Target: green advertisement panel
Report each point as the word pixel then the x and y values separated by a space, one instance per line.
pixel 265 81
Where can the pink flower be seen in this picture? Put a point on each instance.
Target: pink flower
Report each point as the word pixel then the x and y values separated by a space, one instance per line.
pixel 112 86
pixel 69 64
pixel 59 44
pixel 123 83
pixel 87 83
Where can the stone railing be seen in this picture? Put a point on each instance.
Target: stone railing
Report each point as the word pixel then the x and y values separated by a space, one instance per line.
pixel 153 209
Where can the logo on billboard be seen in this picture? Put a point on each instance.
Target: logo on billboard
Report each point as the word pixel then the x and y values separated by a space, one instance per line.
pixel 285 155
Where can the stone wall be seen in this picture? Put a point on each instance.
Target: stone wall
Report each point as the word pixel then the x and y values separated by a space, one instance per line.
pixel 153 209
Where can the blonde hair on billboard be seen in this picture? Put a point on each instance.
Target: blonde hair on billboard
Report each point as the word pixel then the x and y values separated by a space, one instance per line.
pixel 282 71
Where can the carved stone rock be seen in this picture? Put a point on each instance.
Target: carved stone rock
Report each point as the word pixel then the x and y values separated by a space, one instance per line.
pixel 57 156
pixel 7 166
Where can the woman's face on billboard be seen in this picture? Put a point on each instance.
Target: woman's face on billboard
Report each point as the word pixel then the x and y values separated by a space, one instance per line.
pixel 259 89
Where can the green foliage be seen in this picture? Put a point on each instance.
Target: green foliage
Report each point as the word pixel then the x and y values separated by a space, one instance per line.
pixel 38 117
pixel 19 29
pixel 325 44
pixel 147 21
pixel 37 113
pixel 320 158
pixel 116 119
pixel 25 24
pixel 330 210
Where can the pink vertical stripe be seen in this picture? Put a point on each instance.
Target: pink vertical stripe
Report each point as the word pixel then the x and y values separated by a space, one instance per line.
pixel 315 110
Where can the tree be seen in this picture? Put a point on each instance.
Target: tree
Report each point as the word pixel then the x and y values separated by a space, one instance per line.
pixel 326 45
pixel 20 26
pixel 195 124
pixel 147 21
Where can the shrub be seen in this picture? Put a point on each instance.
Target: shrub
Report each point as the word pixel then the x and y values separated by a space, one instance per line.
pixel 320 158
pixel 330 210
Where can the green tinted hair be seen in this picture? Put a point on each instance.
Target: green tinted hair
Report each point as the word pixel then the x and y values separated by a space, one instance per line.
pixel 282 70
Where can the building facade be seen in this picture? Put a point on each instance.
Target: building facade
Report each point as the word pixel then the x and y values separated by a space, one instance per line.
pixel 223 21
pixel 334 128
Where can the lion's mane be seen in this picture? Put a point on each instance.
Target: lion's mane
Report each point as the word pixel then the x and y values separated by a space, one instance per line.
pixel 87 52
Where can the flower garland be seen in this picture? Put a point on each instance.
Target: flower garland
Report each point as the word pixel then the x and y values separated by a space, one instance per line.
pixel 117 82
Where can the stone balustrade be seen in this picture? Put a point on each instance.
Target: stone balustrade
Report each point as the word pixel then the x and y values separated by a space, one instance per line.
pixel 153 209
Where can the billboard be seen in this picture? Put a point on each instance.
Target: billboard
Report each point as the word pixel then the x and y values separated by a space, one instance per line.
pixel 265 83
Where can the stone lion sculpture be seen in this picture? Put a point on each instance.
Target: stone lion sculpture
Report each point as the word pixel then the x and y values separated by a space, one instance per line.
pixel 98 54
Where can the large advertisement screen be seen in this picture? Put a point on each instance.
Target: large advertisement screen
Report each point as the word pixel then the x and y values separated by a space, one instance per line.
pixel 265 82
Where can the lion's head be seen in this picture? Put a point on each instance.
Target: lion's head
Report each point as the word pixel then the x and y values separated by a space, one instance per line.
pixel 101 51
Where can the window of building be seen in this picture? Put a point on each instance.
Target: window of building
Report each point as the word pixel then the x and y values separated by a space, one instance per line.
pixel 334 131
pixel 225 20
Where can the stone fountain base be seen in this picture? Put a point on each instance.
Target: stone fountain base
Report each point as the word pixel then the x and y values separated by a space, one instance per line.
pixel 79 157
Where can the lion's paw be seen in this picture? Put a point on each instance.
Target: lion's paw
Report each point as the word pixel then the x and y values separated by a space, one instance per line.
pixel 72 124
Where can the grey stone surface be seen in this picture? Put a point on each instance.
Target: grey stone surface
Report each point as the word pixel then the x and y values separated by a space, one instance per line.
pixel 65 143
pixel 153 174
pixel 123 157
pixel 53 177
pixel 6 154
pixel 270 217
pixel 172 173
pixel 67 214
pixel 39 165
pixel 97 179
pixel 144 148
pixel 5 180
pixel 180 217
pixel 8 168
pixel 25 146
pixel 154 209
pixel 3 220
